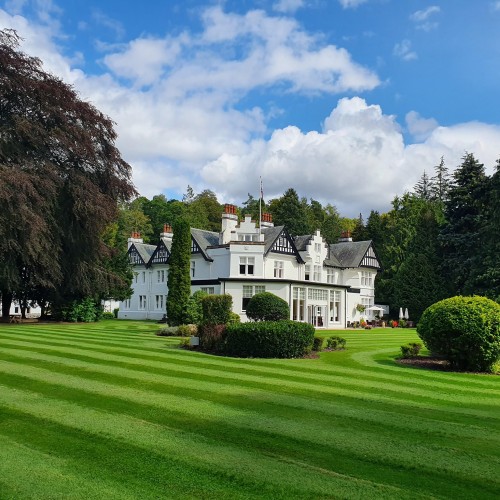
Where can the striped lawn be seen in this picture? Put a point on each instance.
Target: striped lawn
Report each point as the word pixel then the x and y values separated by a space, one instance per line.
pixel 109 410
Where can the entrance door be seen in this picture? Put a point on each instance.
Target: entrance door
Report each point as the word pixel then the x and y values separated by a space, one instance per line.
pixel 316 315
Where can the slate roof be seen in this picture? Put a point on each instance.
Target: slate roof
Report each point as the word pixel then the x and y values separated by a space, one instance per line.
pixel 301 242
pixel 349 253
pixel 144 250
pixel 205 239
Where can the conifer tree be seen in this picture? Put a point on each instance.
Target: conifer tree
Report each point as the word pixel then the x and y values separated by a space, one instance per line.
pixel 465 213
pixel 179 279
pixel 440 183
pixel 423 188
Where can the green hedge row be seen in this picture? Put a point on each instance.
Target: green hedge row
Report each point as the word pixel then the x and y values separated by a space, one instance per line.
pixel 269 339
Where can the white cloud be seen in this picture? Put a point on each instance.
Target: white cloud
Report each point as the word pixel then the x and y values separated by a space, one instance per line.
pixel 348 4
pixel 288 6
pixel 421 18
pixel 359 162
pixel 185 127
pixel 403 51
pixel 420 128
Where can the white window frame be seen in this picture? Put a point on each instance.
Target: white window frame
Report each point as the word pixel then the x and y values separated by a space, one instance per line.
pixel 317 273
pixel 159 302
pixel 330 276
pixel 143 301
pixel 247 266
pixel 366 278
pixel 160 275
pixel 278 269
pixel 208 289
pixel 192 270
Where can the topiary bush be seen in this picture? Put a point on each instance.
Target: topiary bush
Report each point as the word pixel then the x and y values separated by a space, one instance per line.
pixel 466 330
pixel 410 350
pixel 266 306
pixel 335 343
pixel 317 344
pixel 269 339
pixel 107 315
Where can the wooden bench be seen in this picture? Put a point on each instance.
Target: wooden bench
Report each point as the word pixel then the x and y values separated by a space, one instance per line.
pixel 14 318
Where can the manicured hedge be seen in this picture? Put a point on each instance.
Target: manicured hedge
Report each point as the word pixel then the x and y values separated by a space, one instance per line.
pixel 466 330
pixel 217 309
pixel 266 306
pixel 269 339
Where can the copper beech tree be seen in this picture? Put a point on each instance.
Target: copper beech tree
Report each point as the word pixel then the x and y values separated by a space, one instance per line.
pixel 61 178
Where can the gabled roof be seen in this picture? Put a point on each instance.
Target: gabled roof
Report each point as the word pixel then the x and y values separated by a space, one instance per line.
pixel 144 250
pixel 352 254
pixel 271 236
pixel 204 239
pixel 164 243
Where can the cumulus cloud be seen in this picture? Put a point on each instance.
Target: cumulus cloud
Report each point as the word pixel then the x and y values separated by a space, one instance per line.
pixel 422 20
pixel 358 162
pixel 180 119
pixel 420 128
pixel 404 51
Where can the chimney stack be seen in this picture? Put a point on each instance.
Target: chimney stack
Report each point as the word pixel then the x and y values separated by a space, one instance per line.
pixel 229 223
pixel 167 232
pixel 345 236
pixel 267 220
pixel 135 237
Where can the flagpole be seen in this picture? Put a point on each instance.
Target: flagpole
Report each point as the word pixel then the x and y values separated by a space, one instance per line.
pixel 260 204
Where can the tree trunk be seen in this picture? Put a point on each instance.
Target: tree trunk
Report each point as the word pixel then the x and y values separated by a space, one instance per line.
pixel 6 303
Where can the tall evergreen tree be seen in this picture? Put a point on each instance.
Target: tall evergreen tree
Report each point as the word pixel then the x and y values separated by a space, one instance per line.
pixel 465 213
pixel 486 273
pixel 290 212
pixel 418 283
pixel 440 183
pixel 179 279
pixel 423 188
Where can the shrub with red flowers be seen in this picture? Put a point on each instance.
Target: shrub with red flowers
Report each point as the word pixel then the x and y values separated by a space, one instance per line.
pixel 394 323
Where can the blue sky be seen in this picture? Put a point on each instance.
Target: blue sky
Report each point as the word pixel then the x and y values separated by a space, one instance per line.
pixel 347 101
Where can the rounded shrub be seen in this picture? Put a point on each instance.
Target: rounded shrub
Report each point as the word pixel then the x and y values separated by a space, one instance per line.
pixel 266 306
pixel 465 330
pixel 269 339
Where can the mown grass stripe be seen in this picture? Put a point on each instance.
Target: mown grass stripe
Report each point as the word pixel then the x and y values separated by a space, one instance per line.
pixel 186 447
pixel 375 445
pixel 299 374
pixel 363 390
pixel 338 416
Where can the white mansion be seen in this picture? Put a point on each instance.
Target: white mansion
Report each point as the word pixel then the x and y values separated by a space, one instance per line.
pixel 323 284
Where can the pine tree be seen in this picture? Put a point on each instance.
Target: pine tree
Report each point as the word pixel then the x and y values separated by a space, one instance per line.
pixel 179 279
pixel 440 183
pixel 423 188
pixel 464 213
pixel 487 271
